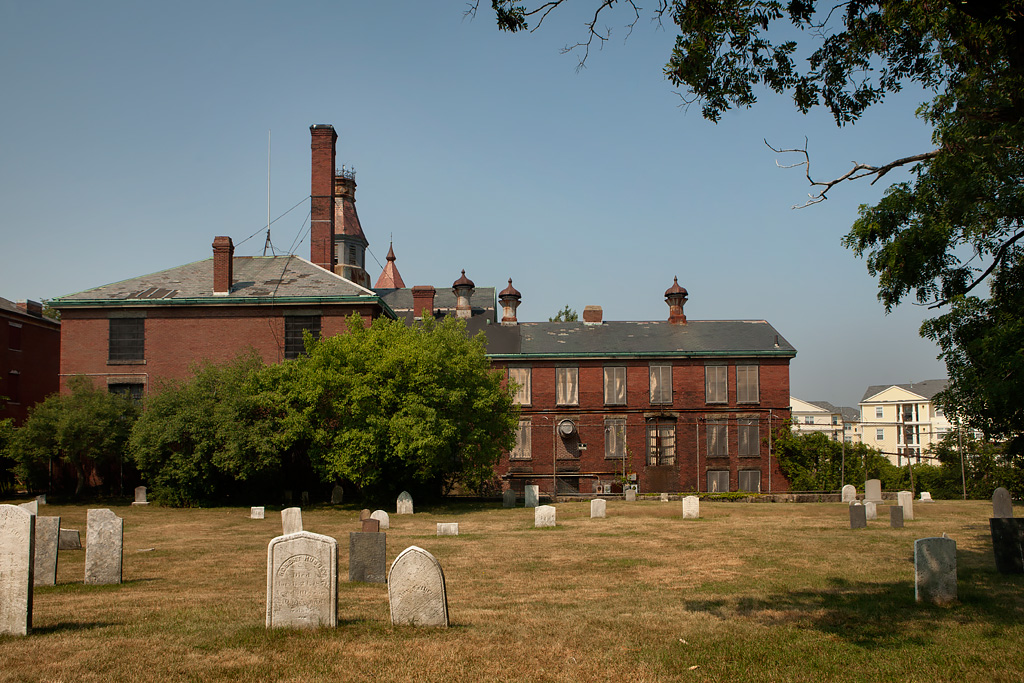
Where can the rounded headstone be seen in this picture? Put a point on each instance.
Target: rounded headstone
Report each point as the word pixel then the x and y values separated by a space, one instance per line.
pixel 935 570
pixel 849 493
pixel 382 517
pixel 1002 504
pixel 302 581
pixel 416 589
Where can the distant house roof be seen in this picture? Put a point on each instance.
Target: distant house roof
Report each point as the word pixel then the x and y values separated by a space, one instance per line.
pixel 926 389
pixel 623 339
pixel 27 312
pixel 483 305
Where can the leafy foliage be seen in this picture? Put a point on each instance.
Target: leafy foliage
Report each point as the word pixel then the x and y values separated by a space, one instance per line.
pixel 7 462
pixel 566 315
pixel 987 465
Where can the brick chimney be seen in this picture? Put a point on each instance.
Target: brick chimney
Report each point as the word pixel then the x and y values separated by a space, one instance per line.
pixel 675 297
pixel 29 307
pixel 323 145
pixel 423 300
pixel 463 289
pixel 593 314
pixel 509 298
pixel 223 265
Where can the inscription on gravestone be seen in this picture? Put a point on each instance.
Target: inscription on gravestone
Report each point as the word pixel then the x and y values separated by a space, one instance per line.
pixel 257 512
pixel 691 507
pixel 367 557
pixel 597 508
pixel 416 589
pixel 935 570
pixel 1002 504
pixel 404 504
pixel 383 518
pixel 104 546
pixel 849 493
pixel 47 540
pixel 508 498
pixel 17 536
pixel 302 581
pixel 544 515
pixel 532 492
pixel 291 521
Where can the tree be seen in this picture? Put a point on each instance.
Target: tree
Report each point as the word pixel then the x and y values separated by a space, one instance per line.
pixel 986 465
pixel 566 315
pixel 937 238
pixel 7 463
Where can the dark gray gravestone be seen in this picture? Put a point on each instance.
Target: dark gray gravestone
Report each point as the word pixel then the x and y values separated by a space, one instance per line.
pixel 858 517
pixel 896 516
pixel 69 540
pixel 935 570
pixel 367 557
pixel 1008 544
pixel 47 540
pixel 337 495
pixel 508 498
pixel 304 499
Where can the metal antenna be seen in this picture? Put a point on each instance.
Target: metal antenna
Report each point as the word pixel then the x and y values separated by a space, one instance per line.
pixel 268 195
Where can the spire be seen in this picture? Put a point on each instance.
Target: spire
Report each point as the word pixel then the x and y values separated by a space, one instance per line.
pixel 390 278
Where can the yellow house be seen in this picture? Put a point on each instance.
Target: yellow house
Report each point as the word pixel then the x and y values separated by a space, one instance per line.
pixel 902 421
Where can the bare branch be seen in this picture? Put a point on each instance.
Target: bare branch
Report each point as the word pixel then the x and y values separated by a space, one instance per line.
pixel 1000 255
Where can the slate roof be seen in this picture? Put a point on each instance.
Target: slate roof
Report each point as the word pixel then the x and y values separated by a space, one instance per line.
pixel 656 338
pixel 926 389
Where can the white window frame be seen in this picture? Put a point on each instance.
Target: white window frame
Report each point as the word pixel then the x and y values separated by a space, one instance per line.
pixel 615 438
pixel 748 386
pixel 747 427
pixel 523 449
pixel 879 413
pixel 717 438
pixel 879 434
pixel 716 383
pixel 717 476
pixel 615 385
pixel 567 386
pixel 523 378
pixel 661 384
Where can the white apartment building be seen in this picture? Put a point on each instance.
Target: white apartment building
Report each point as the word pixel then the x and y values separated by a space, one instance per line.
pixel 901 420
pixel 821 416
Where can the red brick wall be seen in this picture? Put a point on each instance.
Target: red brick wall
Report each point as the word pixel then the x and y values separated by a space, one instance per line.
pixel 38 362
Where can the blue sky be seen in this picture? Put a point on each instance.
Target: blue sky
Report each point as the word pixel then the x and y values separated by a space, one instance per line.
pixel 133 133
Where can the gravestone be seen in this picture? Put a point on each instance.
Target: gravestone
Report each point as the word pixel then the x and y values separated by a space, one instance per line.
pixel 926 497
pixel 291 521
pixel 858 518
pixel 870 511
pixel 370 526
pixel 631 494
pixel 287 497
pixel 873 490
pixel 367 557
pixel 140 496
pixel 337 495
pixel 597 508
pixel 32 506
pixel 304 499
pixel 416 589
pixel 17 537
pixel 896 516
pixel 508 498
pixel 104 547
pixel 935 570
pixel 302 581
pixel 41 499
pixel 257 513
pixel 447 528
pixel 364 514
pixel 1008 544
pixel 44 566
pixel 69 540
pixel 1002 505
pixel 382 517
pixel 691 507
pixel 532 495
pixel 664 498
pixel 849 493
pixel 544 515
pixel 404 504
pixel 906 501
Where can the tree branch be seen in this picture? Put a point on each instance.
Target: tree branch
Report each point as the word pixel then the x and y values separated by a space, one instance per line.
pixel 996 260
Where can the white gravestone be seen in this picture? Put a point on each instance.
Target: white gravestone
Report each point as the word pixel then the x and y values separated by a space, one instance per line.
pixel 382 517
pixel 1002 504
pixel 532 495
pixel 597 508
pixel 691 507
pixel 104 546
pixel 849 493
pixel 404 504
pixel 906 501
pixel 416 589
pixel 447 528
pixel 291 521
pixel 302 581
pixel 17 537
pixel 32 506
pixel 140 496
pixel 257 512
pixel 508 499
pixel 664 498
pixel 870 510
pixel 873 490
pixel 544 515
pixel 630 494
pixel 926 497
pixel 935 570
pixel 44 566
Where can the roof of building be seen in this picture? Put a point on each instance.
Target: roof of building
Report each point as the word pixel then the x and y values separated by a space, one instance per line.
pixel 926 389
pixel 656 338
pixel 390 278
pixel 11 308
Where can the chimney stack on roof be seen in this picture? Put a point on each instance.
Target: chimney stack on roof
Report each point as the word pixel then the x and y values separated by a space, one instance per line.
pixel 593 314
pixel 675 297
pixel 323 145
pixel 509 298
pixel 463 289
pixel 29 307
pixel 223 264
pixel 423 301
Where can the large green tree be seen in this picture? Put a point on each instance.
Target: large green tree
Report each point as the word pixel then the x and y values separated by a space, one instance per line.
pixel 943 237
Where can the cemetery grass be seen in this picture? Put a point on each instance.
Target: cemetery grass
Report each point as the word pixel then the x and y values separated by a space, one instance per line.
pixel 749 592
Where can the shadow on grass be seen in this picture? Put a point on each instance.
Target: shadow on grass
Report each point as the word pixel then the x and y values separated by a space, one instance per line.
pixel 70 627
pixel 79 587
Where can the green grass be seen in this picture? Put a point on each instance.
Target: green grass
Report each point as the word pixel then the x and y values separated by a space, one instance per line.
pixel 765 592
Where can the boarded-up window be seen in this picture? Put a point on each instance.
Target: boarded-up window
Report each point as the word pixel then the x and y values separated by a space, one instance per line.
pixel 127 341
pixel 750 480
pixel 615 386
pixel 716 386
pixel 521 377
pixel 523 449
pixel 718 481
pixel 718 438
pixel 749 439
pixel 567 388
pixel 14 336
pixel 661 442
pixel 615 438
pixel 746 384
pixel 661 384
pixel 294 326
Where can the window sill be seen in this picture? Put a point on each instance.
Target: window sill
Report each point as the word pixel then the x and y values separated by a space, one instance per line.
pixel 126 362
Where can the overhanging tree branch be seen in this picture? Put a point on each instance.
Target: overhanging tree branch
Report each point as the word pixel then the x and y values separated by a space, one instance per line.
pixel 998 258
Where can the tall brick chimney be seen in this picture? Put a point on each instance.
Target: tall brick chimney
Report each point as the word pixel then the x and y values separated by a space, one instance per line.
pixel 223 264
pixel 323 145
pixel 675 297
pixel 593 314
pixel 423 301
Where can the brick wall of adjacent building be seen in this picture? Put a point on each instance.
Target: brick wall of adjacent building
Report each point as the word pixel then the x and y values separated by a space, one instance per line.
pixel 35 361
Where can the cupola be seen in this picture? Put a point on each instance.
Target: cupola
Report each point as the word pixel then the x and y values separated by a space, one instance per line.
pixel 463 289
pixel 509 298
pixel 675 297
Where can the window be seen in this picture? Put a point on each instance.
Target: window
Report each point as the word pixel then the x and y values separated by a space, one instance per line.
pixel 615 386
pixel 523 450
pixel 716 384
pixel 294 326
pixel 879 434
pixel 14 336
pixel 127 341
pixel 878 412
pixel 13 388
pixel 835 419
pixel 750 480
pixel 938 412
pixel 808 419
pixel 130 390
pixel 749 436
pixel 615 438
pixel 521 376
pixel 567 387
pixel 661 384
pixel 718 481
pixel 718 438
pixel 352 255
pixel 661 442
pixel 746 384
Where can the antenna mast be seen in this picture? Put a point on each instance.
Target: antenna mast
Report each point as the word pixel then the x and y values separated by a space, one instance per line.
pixel 267 243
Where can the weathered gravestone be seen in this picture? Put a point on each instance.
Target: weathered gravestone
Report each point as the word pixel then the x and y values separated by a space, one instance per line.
pixel 404 504
pixel 873 490
pixel 69 540
pixel 17 537
pixel 367 557
pixel 32 506
pixel 302 581
pixel 508 498
pixel 926 497
pixel 416 589
pixel 544 515
pixel 1002 505
pixel 858 518
pixel 664 498
pixel 935 570
pixel 1008 544
pixel 337 495
pixel 291 521
pixel 532 493
pixel 364 514
pixel 257 512
pixel 630 494
pixel 895 516
pixel 597 508
pixel 906 501
pixel 140 496
pixel 870 511
pixel 691 507
pixel 104 546
pixel 44 566
pixel 370 526
pixel 447 528
pixel 382 517
pixel 41 499
pixel 849 493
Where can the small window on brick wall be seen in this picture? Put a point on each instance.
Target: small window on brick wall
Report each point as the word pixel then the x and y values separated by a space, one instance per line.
pixel 661 442
pixel 716 386
pixel 13 389
pixel 718 438
pixel 127 339
pixel 14 336
pixel 746 384
pixel 523 449
pixel 748 436
pixel 567 387
pixel 294 326
pixel 615 386
pixel 661 384
pixel 750 480
pixel 615 437
pixel 521 377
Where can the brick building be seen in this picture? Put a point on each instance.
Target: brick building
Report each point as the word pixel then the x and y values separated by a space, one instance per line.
pixel 29 357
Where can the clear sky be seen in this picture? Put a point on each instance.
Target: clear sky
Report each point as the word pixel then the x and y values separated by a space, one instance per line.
pixel 133 133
